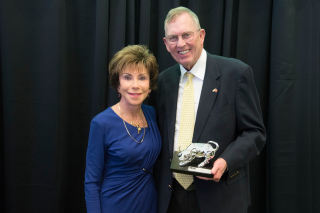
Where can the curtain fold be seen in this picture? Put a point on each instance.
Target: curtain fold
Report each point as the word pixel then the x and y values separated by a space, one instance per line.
pixel 294 120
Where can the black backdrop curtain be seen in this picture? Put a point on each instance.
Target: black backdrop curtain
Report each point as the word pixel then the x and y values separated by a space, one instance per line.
pixel 54 80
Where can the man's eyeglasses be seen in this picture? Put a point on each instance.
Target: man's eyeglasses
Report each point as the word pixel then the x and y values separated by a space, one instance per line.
pixel 186 36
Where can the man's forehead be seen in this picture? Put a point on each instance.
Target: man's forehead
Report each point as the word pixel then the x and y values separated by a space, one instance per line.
pixel 184 15
pixel 182 20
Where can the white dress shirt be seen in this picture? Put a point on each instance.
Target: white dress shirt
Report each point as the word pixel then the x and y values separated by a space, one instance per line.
pixel 198 70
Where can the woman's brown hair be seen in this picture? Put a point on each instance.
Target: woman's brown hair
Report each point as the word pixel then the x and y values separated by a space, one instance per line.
pixel 136 56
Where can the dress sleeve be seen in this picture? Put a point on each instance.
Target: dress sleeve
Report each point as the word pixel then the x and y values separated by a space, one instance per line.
pixel 94 168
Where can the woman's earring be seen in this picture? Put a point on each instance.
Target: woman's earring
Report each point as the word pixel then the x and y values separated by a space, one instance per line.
pixel 119 95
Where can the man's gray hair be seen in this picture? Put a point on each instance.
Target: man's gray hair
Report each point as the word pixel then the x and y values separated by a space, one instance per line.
pixel 175 12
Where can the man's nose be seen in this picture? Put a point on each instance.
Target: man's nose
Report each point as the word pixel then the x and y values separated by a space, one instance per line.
pixel 180 42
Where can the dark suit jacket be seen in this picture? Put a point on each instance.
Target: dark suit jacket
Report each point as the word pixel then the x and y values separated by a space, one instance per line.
pixel 231 117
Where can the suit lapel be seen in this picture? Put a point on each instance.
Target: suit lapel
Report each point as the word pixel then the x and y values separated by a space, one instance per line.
pixel 208 97
pixel 172 88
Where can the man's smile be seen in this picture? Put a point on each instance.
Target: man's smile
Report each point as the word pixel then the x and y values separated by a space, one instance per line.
pixel 183 52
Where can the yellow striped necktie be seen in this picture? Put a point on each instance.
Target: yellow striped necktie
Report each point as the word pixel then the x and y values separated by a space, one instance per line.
pixel 187 120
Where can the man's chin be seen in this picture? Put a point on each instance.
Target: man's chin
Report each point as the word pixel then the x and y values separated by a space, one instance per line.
pixel 183 61
pixel 187 66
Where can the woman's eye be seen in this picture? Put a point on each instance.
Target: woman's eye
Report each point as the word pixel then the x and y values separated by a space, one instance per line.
pixel 127 77
pixel 143 78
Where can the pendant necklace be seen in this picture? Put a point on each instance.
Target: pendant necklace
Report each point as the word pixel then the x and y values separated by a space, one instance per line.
pixel 136 125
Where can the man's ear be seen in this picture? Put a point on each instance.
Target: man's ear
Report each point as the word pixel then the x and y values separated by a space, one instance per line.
pixel 166 43
pixel 202 35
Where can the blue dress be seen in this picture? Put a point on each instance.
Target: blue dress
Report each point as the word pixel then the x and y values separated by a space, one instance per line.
pixel 118 175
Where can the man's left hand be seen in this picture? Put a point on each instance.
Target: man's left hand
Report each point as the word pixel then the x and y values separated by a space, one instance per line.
pixel 219 167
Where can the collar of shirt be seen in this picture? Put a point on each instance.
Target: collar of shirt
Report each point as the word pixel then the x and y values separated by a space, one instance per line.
pixel 198 70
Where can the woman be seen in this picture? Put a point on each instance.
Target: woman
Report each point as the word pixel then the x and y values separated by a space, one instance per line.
pixel 124 140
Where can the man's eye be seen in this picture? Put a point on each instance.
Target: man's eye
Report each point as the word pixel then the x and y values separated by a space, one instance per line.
pixel 173 38
pixel 186 35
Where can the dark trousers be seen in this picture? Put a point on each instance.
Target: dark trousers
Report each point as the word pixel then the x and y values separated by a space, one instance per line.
pixel 183 201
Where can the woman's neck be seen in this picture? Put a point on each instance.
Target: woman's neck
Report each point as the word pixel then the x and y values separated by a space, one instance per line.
pixel 130 111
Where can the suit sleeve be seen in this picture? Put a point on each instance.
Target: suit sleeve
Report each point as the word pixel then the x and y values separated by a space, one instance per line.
pixel 157 98
pixel 250 128
pixel 94 168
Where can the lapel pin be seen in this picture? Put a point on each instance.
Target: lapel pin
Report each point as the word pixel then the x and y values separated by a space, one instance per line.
pixel 215 90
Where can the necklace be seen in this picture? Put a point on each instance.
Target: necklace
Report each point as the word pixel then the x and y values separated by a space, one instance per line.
pixel 137 125
pixel 144 130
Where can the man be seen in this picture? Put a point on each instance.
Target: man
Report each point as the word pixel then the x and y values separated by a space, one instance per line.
pixel 224 108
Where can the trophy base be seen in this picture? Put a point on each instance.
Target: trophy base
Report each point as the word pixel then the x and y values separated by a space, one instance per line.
pixel 192 167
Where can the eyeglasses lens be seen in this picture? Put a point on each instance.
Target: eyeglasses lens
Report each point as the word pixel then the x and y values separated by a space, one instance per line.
pixel 187 36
